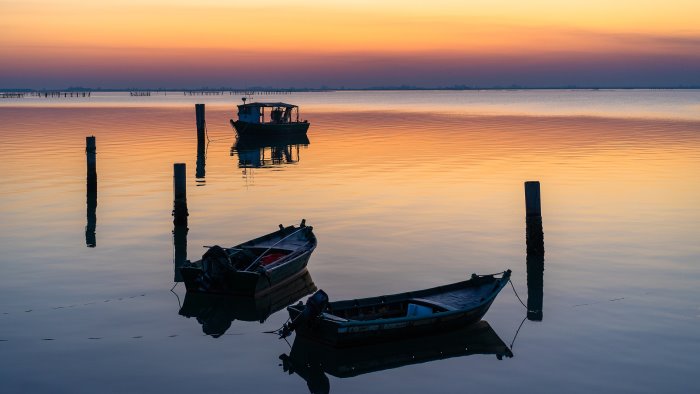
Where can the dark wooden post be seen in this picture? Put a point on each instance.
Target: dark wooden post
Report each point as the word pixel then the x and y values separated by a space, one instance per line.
pixel 91 153
pixel 201 135
pixel 533 206
pixel 201 122
pixel 91 192
pixel 534 239
pixel 180 194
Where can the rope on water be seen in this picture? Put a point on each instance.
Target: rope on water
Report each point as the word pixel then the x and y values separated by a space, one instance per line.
pixel 517 331
pixel 277 331
pixel 179 304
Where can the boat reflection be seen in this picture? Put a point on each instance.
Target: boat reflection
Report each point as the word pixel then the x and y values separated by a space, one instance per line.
pixel 269 151
pixel 216 312
pixel 312 360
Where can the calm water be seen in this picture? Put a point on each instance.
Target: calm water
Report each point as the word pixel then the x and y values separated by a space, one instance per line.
pixel 405 190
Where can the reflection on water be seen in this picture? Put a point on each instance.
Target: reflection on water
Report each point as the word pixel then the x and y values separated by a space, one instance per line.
pixel 179 250
pixel 312 360
pixel 216 312
pixel 269 151
pixel 200 172
pixel 90 227
pixel 535 267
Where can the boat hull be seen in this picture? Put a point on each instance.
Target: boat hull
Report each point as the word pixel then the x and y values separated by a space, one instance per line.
pixel 253 283
pixel 246 129
pixel 355 332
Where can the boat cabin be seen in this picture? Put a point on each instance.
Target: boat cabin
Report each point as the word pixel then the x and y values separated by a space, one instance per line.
pixel 274 113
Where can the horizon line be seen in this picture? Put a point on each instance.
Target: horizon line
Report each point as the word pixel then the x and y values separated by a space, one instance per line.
pixel 342 88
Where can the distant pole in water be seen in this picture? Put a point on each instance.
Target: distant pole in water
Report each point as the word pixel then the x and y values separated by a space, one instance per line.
pixel 91 192
pixel 533 207
pixel 201 144
pixel 91 153
pixel 201 122
pixel 534 239
pixel 180 194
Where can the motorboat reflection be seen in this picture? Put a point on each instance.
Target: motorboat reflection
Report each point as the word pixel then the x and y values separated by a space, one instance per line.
pixel 216 312
pixel 266 152
pixel 312 360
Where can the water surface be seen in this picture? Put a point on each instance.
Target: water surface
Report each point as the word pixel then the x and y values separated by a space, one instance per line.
pixel 405 190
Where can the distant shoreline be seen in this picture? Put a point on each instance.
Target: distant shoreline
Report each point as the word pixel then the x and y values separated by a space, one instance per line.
pixel 325 89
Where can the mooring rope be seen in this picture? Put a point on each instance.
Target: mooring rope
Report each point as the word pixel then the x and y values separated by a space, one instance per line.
pixel 516 294
pixel 517 331
pixel 277 331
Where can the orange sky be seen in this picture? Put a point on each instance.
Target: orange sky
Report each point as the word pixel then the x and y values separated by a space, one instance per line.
pixel 137 41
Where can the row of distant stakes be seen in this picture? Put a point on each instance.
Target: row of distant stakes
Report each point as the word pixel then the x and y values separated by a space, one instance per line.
pixel 141 93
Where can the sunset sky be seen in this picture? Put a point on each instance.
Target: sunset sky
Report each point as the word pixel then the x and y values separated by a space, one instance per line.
pixel 358 43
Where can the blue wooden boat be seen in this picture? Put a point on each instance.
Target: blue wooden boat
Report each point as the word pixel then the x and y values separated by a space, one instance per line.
pixel 395 316
pixel 255 267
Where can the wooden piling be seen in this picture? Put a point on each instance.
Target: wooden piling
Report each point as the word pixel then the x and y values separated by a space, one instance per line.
pixel 201 122
pixel 180 194
pixel 91 154
pixel 532 199
pixel 534 239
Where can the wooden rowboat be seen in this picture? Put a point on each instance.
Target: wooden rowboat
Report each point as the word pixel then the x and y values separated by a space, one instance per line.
pixel 252 268
pixel 396 316
pixel 312 360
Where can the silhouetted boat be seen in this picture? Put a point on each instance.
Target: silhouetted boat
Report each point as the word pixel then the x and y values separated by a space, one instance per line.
pixel 312 360
pixel 216 312
pixel 395 316
pixel 281 119
pixel 255 267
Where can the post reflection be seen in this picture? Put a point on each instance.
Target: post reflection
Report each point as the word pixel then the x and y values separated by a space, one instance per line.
pixel 268 152
pixel 217 312
pixel 180 249
pixel 312 360
pixel 535 267
pixel 200 170
pixel 90 227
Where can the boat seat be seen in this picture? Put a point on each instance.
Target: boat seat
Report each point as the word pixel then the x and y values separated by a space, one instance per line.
pixel 431 303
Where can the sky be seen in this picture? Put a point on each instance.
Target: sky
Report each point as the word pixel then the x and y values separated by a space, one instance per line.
pixel 352 44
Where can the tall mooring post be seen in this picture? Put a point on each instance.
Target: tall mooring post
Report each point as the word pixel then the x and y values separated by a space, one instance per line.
pixel 180 194
pixel 534 239
pixel 91 153
pixel 91 192
pixel 201 122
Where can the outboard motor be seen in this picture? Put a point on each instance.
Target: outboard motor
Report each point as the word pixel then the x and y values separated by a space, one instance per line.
pixel 314 307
